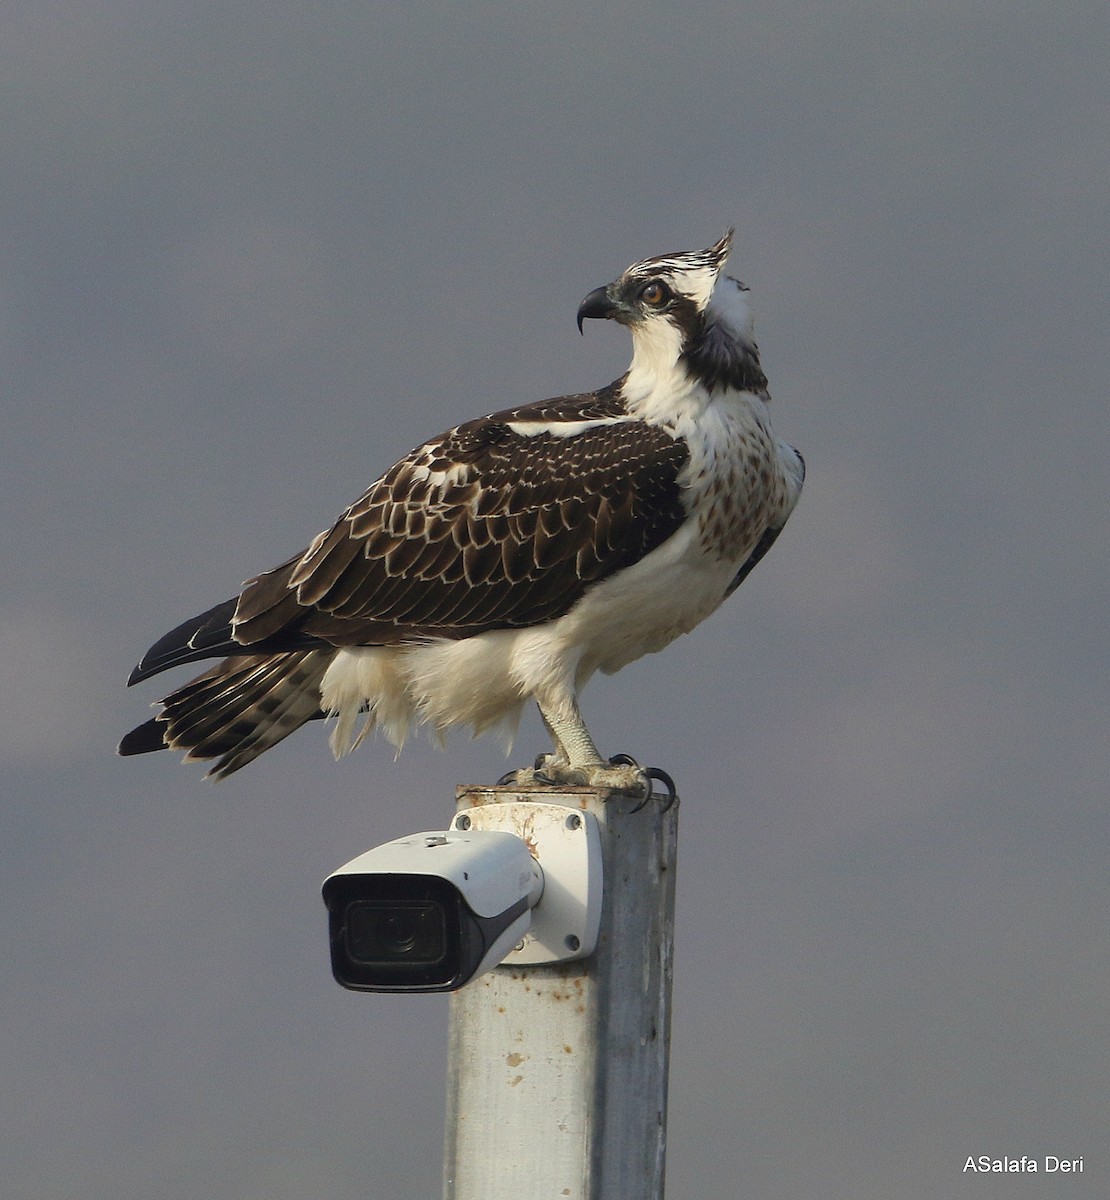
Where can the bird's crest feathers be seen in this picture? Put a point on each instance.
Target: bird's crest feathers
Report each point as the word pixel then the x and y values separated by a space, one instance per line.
pixel 692 273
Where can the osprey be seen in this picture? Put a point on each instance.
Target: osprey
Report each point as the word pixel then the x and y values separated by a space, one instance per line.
pixel 514 555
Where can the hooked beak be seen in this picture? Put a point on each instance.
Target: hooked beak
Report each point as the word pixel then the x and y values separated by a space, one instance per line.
pixel 597 305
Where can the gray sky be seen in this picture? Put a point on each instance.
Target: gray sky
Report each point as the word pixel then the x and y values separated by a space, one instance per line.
pixel 252 253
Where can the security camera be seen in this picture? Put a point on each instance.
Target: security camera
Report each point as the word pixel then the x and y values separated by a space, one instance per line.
pixel 430 911
pixel 427 912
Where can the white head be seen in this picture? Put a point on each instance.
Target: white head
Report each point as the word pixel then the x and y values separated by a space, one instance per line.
pixel 690 324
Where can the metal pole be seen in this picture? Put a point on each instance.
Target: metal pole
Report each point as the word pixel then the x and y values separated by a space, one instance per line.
pixel 557 1075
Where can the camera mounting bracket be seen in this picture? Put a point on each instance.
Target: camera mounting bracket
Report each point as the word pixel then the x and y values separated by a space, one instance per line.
pixel 566 842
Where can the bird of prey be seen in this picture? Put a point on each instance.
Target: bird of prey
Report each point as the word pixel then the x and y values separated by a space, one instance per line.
pixel 514 555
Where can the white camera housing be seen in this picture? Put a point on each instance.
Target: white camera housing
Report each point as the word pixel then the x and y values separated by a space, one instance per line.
pixel 519 883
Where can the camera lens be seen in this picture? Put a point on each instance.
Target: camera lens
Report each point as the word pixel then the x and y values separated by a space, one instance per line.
pixel 397 933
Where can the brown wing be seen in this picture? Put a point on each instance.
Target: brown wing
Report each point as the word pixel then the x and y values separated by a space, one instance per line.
pixel 502 522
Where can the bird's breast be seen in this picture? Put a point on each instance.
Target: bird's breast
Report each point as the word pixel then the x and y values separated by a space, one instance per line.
pixel 734 482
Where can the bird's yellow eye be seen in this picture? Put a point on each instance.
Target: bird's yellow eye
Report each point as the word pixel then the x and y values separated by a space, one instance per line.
pixel 654 293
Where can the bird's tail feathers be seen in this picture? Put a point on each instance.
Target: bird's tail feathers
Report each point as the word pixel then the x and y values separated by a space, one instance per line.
pixel 235 711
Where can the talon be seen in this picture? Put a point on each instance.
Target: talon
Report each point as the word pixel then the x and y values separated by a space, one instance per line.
pixel 623 760
pixel 546 770
pixel 650 775
pixel 665 779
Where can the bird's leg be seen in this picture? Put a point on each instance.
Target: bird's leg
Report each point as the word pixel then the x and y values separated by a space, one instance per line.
pixel 573 744
pixel 560 757
pixel 577 761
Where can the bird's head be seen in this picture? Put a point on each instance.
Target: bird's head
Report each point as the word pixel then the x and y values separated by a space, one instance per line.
pixel 687 320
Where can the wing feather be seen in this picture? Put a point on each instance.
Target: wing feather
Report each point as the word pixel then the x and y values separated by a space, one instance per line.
pixel 487 526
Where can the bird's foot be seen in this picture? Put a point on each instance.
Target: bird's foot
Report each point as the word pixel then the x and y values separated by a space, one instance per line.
pixel 620 774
